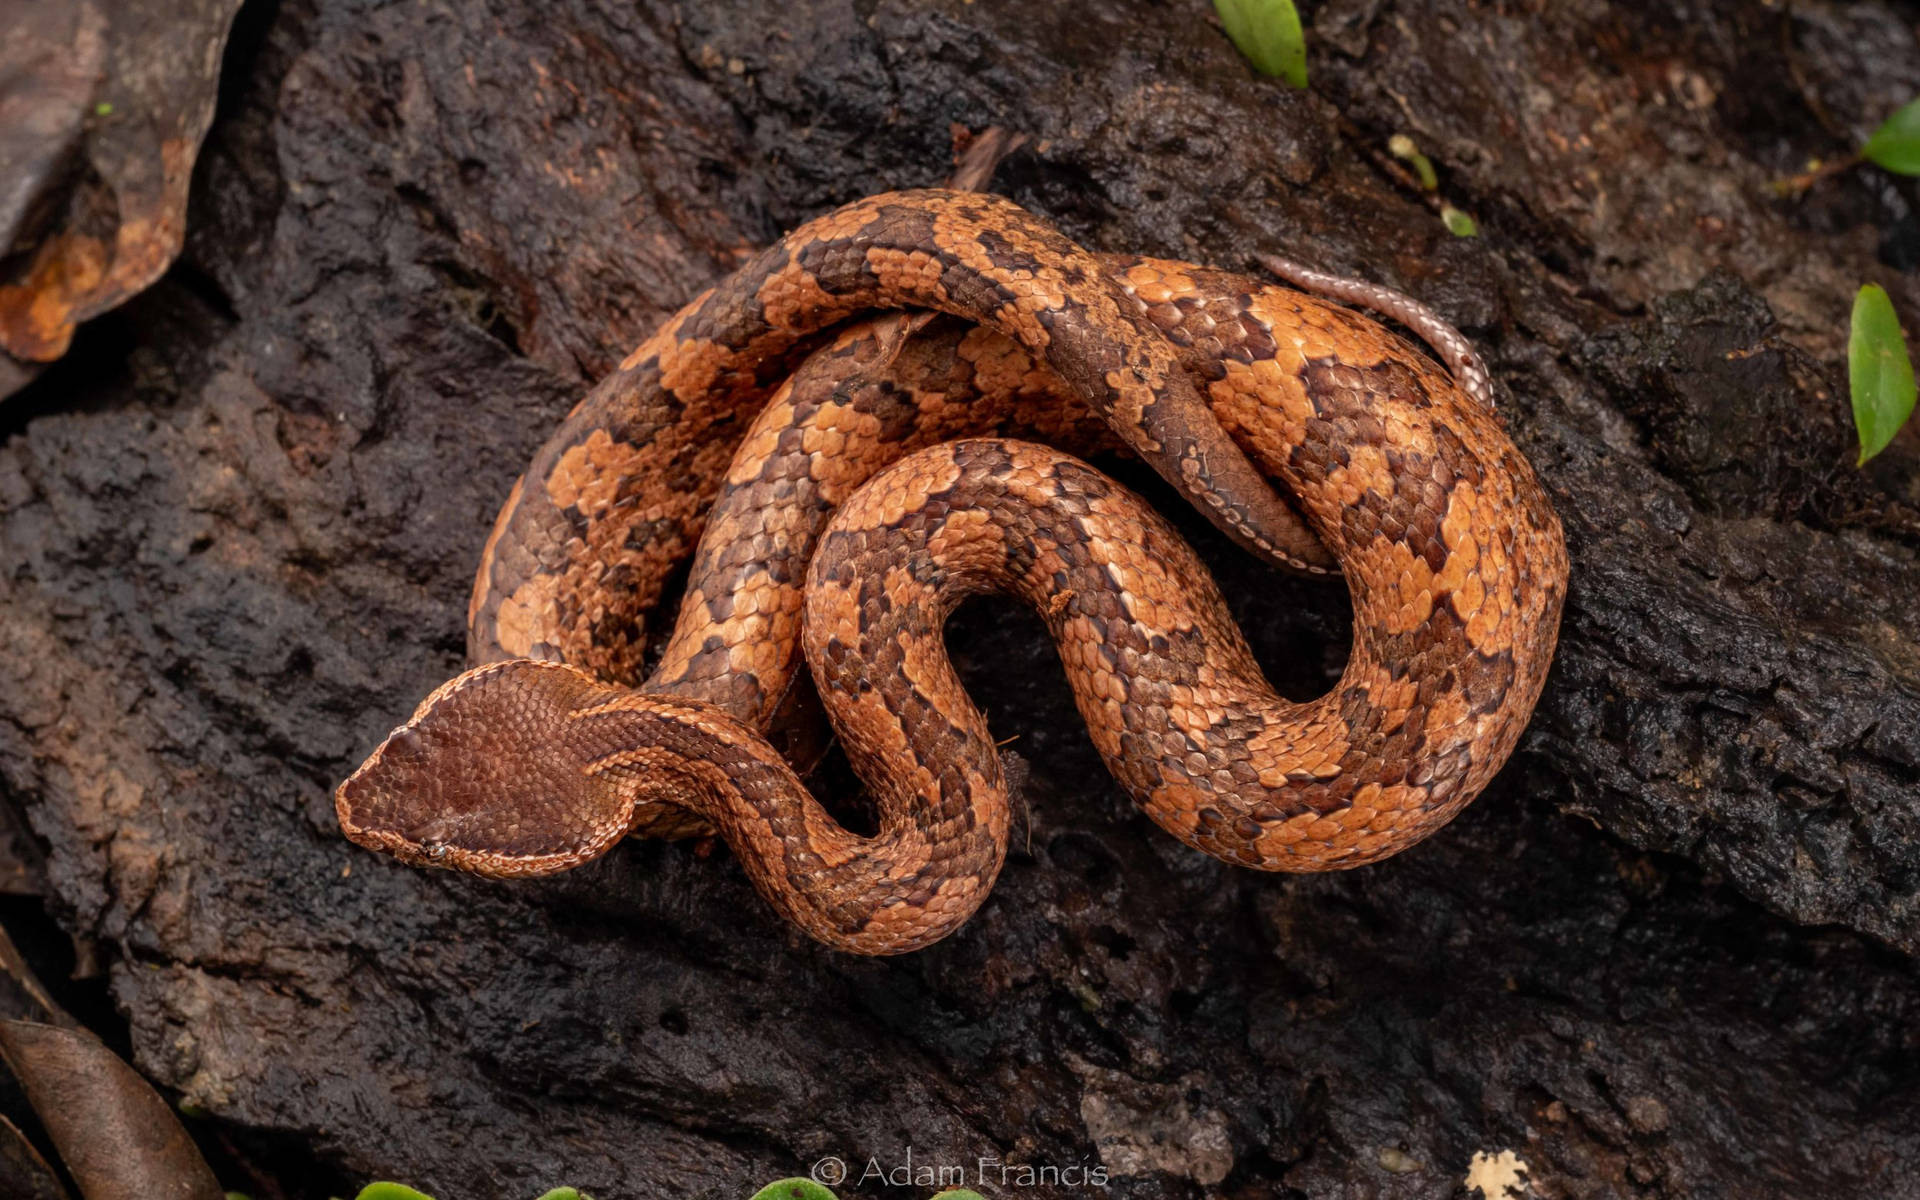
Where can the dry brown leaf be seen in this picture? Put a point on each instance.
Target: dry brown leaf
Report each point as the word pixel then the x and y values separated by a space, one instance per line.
pixel 117 1138
pixel 103 104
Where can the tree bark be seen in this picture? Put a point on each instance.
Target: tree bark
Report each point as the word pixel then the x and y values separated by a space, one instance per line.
pixel 1667 954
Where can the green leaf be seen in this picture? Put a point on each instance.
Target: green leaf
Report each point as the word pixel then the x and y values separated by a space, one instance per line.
pixel 1268 33
pixel 1896 144
pixel 959 1194
pixel 390 1191
pixel 565 1193
pixel 1878 371
pixel 793 1189
pixel 1458 223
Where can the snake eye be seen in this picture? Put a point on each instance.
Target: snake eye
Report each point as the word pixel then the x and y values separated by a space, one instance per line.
pixel 436 850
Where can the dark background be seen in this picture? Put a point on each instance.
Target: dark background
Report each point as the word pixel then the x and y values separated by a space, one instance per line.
pixel 1668 953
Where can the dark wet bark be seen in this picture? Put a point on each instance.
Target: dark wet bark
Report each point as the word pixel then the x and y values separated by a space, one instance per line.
pixel 1667 954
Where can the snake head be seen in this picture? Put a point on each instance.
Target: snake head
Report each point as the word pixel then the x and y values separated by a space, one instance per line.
pixel 494 775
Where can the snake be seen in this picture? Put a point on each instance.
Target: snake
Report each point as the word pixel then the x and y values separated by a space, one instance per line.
pixel 834 461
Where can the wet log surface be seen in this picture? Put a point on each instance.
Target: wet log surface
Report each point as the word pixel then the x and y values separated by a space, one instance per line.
pixel 1667 954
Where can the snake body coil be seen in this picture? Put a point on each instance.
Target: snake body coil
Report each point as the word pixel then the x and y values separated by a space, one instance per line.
pixel 846 482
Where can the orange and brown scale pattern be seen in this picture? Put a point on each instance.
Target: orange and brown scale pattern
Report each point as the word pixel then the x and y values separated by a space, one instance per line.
pixel 579 553
pixel 849 521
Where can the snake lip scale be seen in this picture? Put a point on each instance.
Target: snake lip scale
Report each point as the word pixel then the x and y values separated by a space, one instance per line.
pixel 810 440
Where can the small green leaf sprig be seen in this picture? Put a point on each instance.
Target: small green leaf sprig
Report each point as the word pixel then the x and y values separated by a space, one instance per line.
pixel 1895 146
pixel 1268 33
pixel 1879 369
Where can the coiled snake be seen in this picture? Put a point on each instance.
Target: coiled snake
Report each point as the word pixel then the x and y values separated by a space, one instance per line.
pixel 849 522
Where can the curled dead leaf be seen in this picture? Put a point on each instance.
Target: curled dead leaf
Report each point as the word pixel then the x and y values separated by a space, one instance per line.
pixel 103 104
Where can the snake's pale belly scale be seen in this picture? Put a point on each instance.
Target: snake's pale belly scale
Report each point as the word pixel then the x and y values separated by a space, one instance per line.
pixel 850 520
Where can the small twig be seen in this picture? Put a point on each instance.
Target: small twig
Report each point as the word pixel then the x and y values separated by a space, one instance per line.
pixel 1793 185
pixel 977 155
